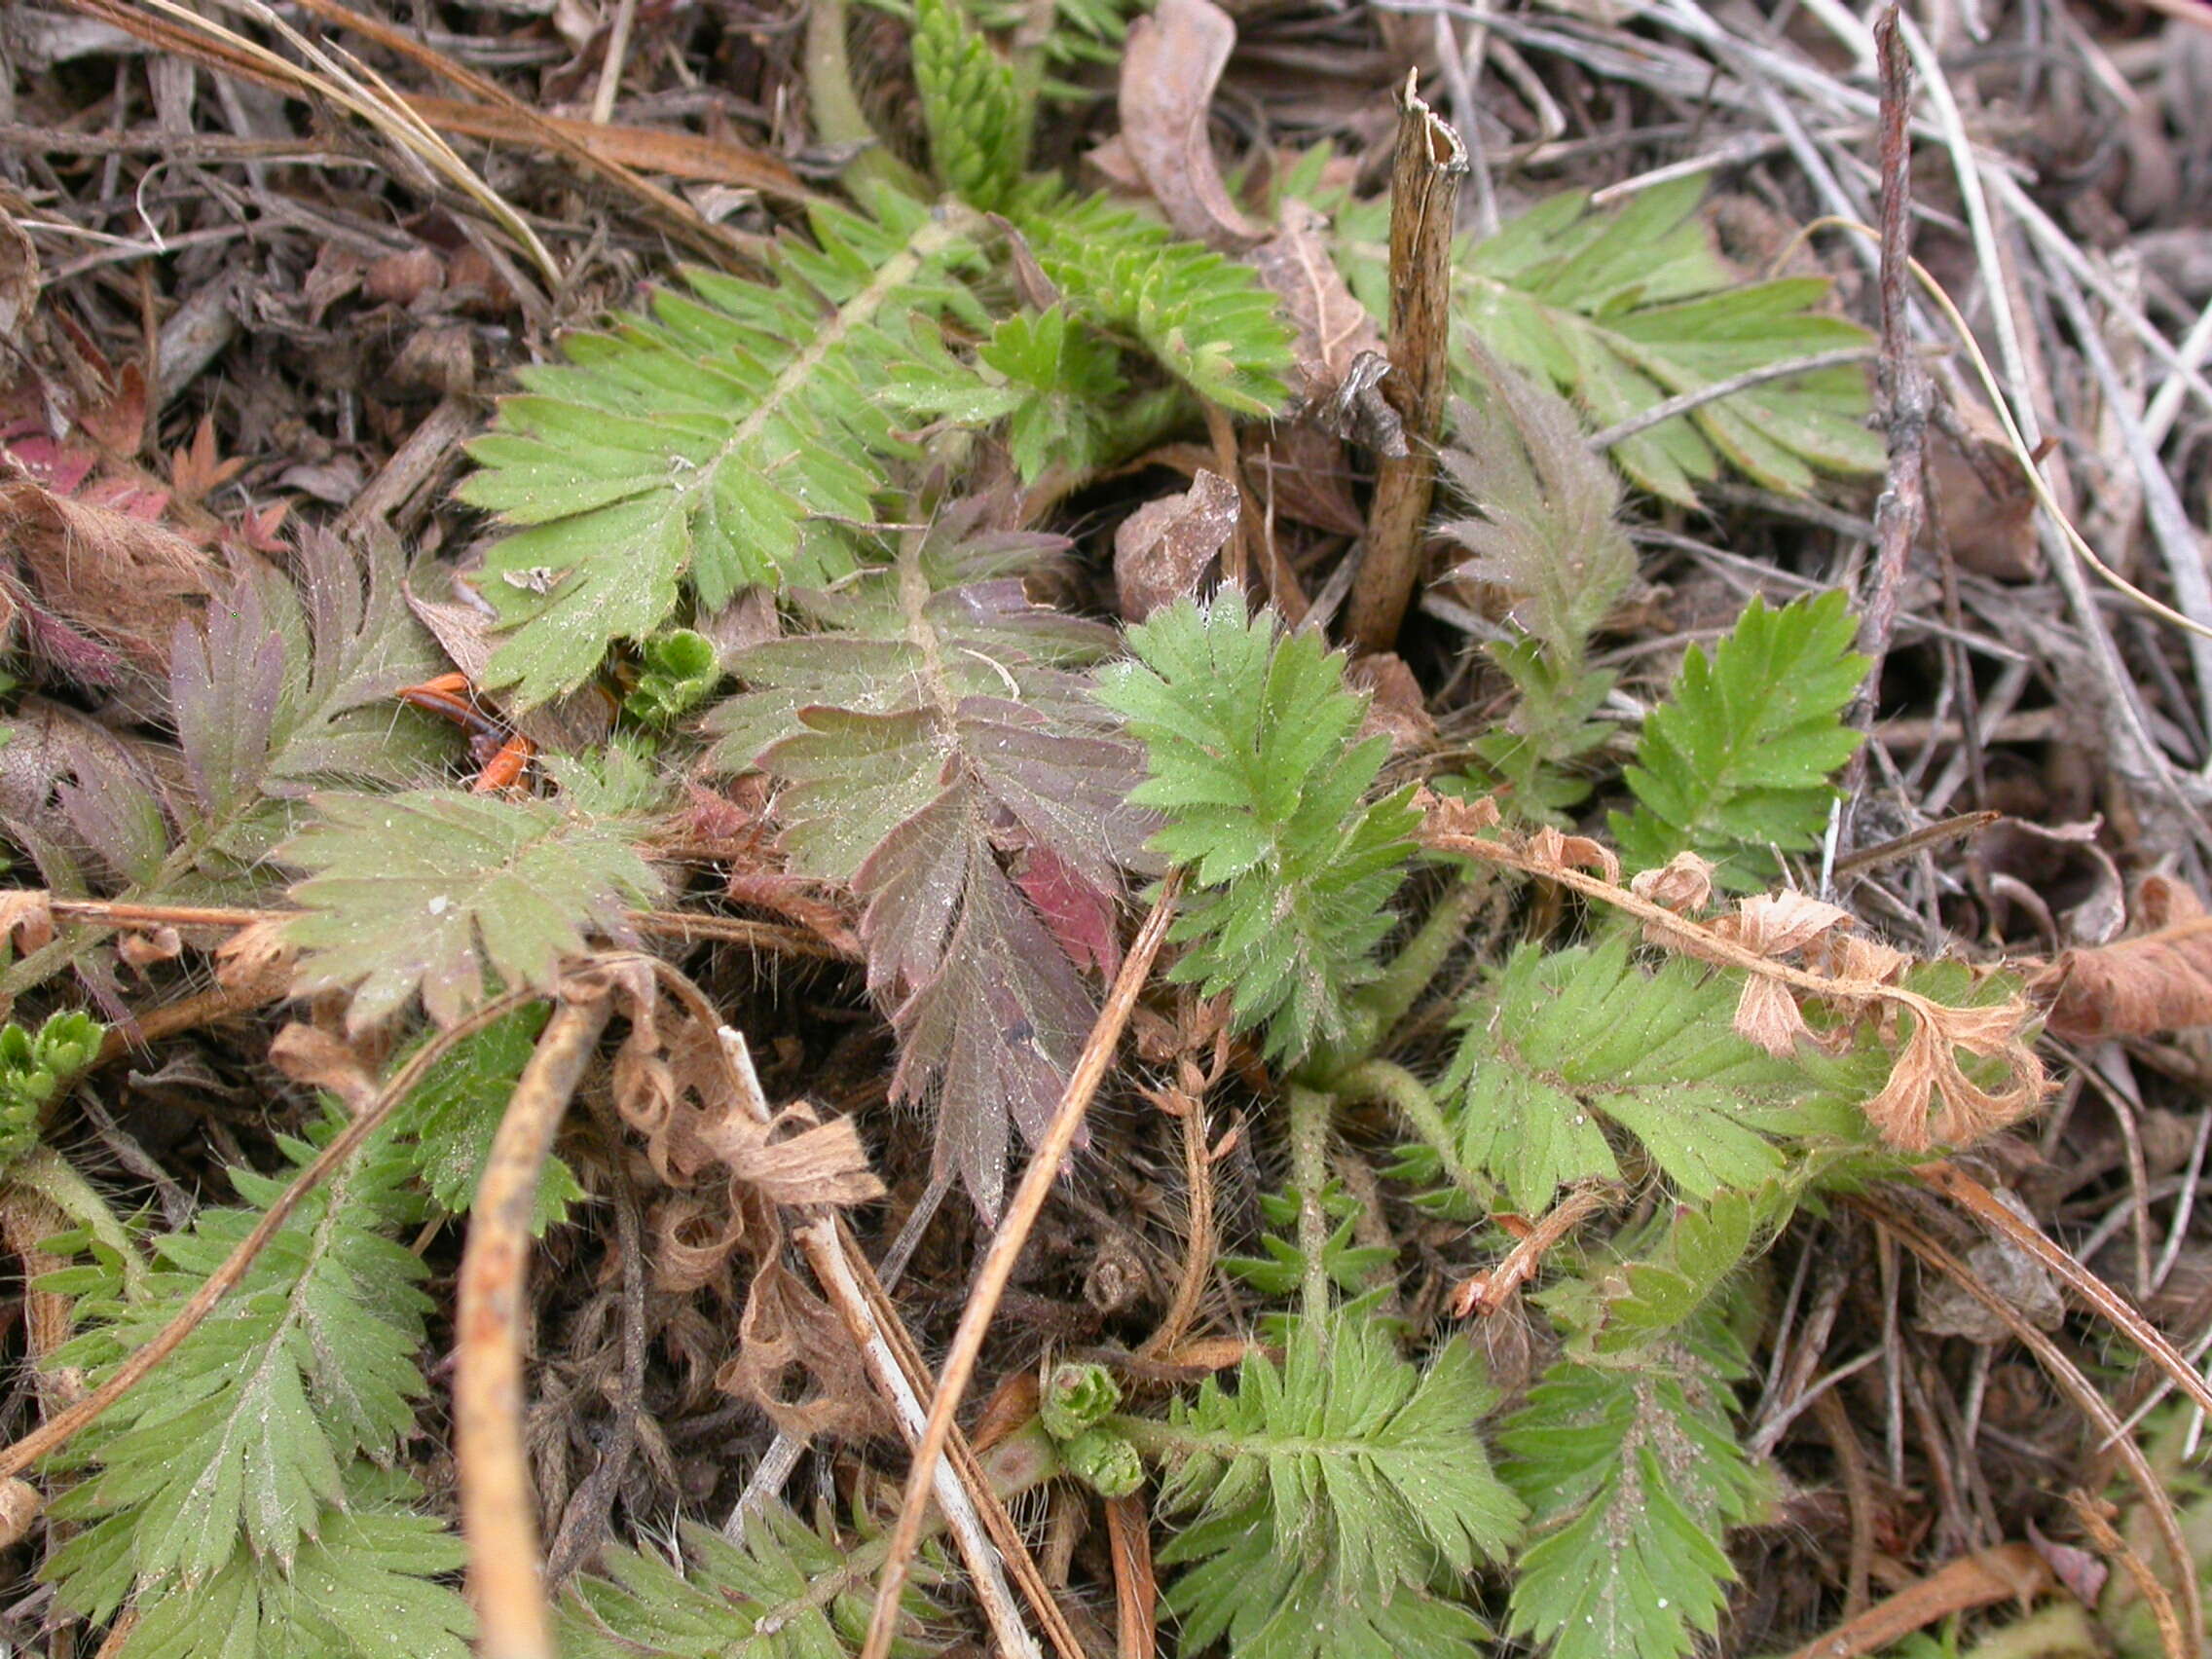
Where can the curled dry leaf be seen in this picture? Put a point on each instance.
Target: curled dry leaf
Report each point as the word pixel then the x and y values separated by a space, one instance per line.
pixel 142 949
pixel 674 1083
pixel 1684 884
pixel 19 1507
pixel 1163 548
pixel 1928 1073
pixel 2057 875
pixel 2159 979
pixel 1779 924
pixel 1557 852
pixel 256 956
pixel 1985 504
pixel 1173 60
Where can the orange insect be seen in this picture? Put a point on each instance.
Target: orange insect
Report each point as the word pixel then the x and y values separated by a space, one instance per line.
pixel 503 753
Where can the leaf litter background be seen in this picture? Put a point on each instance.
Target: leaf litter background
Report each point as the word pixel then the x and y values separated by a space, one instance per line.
pixel 247 332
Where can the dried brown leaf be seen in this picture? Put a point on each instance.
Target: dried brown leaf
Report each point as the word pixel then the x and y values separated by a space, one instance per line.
pixel 26 918
pixel 1169 68
pixel 19 1505
pixel 2159 979
pixel 1776 924
pixel 320 1059
pixel 1550 851
pixel 1163 549
pixel 1334 329
pixel 141 950
pixel 1396 706
pixel 1768 1015
pixel 256 955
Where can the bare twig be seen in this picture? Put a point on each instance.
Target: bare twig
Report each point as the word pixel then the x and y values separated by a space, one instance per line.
pixel 1424 183
pixel 996 1270
pixel 496 1503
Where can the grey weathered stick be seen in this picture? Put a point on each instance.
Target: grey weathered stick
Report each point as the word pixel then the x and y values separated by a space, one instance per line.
pixel 1900 377
pixel 1424 185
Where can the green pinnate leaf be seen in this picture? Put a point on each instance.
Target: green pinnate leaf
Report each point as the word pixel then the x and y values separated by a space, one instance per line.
pixel 243 1505
pixel 430 891
pixel 1738 759
pixel 1206 319
pixel 1251 737
pixel 1335 1504
pixel 455 1111
pixel 1566 1044
pixel 784 1592
pixel 1620 309
pixel 710 444
pixel 286 688
pixel 1632 1475
pixel 1544 525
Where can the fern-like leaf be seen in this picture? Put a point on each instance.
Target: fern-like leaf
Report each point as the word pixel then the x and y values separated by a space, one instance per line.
pixel 1737 760
pixel 427 890
pixel 1666 1276
pixel 1337 1503
pixel 1252 741
pixel 711 442
pixel 1544 528
pixel 1566 1042
pixel 456 1110
pixel 1206 319
pixel 1050 379
pixel 287 689
pixel 1633 1474
pixel 978 120
pixel 939 750
pixel 786 1592
pixel 240 1502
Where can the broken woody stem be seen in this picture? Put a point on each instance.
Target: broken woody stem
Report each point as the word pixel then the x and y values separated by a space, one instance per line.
pixel 1425 187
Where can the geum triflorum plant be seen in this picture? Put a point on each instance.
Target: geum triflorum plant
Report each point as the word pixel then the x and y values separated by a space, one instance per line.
pixel 1766 1049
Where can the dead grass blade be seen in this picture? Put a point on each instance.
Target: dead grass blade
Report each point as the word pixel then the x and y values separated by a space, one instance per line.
pixel 2067 1377
pixel 349 84
pixel 996 1270
pixel 1982 1204
pixel 646 149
